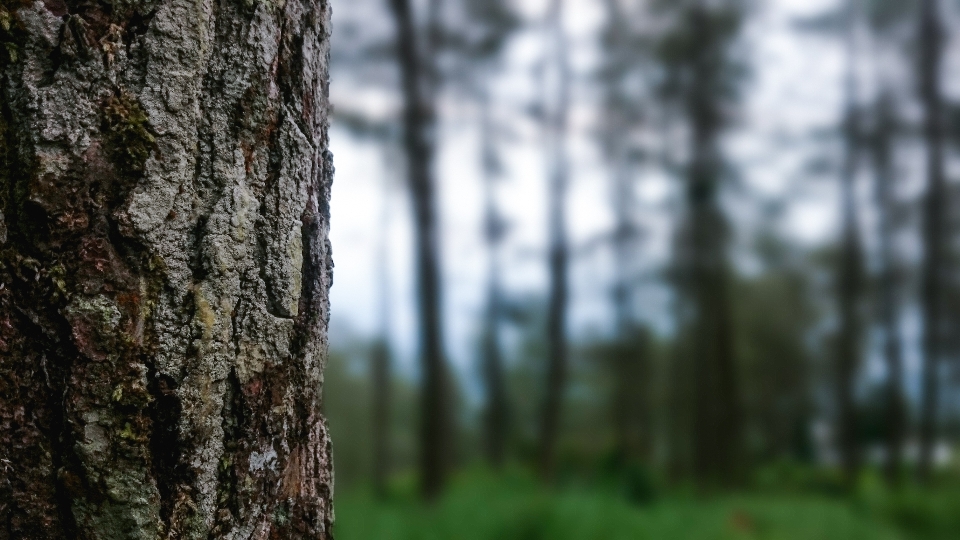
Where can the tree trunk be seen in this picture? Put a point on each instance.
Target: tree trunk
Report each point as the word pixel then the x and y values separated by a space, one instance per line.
pixel 380 373
pixel 631 359
pixel 496 414
pixel 164 269
pixel 380 359
pixel 558 250
pixel 623 241
pixel 717 417
pixel 630 355
pixel 889 310
pixel 849 278
pixel 622 116
pixel 850 287
pixel 631 386
pixel 931 52
pixel 418 81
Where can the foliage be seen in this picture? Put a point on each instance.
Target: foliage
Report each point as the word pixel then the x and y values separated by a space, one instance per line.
pixel 347 399
pixel 774 317
pixel 513 506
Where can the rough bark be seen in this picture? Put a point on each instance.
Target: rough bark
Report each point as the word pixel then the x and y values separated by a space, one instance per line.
pixel 931 53
pixel 164 269
pixel 418 80
pixel 558 250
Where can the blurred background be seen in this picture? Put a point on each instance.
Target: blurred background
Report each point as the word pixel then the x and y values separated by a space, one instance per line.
pixel 646 269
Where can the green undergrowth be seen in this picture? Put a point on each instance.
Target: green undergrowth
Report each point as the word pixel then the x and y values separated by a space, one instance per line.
pixel 480 506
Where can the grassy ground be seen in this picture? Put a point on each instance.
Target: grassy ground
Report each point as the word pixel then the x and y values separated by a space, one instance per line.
pixel 513 507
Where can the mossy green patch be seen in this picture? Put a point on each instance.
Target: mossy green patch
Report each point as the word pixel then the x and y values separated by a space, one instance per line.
pixel 281 515
pixel 127 136
pixel 10 27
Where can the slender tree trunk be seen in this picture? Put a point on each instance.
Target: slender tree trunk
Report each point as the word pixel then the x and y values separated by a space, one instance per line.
pixel 623 390
pixel 558 250
pixel 622 115
pixel 623 238
pixel 496 414
pixel 380 363
pixel 678 416
pixel 630 360
pixel 164 270
pixel 850 279
pixel 889 311
pixel 717 416
pixel 621 193
pixel 419 125
pixel 631 419
pixel 931 52
pixel 850 287
pixel 380 374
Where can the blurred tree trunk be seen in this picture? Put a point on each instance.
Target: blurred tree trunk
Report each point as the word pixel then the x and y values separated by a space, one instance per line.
pixel 380 362
pixel 717 416
pixel 558 250
pixel 850 277
pixel 679 413
pixel 164 269
pixel 617 122
pixel 850 288
pixel 418 80
pixel 931 53
pixel 380 373
pixel 882 154
pixel 623 239
pixel 630 357
pixel 631 415
pixel 622 115
pixel 496 414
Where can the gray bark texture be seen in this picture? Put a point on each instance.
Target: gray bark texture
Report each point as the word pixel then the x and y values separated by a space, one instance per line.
pixel 164 268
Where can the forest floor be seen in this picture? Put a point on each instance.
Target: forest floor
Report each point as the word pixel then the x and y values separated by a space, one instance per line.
pixel 480 506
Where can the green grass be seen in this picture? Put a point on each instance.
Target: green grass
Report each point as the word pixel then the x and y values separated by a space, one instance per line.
pixel 514 507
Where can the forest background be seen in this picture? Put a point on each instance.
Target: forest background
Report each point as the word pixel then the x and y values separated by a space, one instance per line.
pixel 629 267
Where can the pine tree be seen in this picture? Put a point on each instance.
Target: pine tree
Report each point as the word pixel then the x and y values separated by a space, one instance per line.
pixel 558 256
pixel 702 81
pixel 930 40
pixel 419 86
